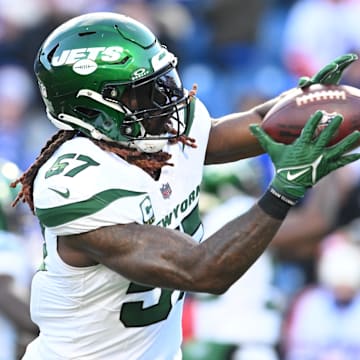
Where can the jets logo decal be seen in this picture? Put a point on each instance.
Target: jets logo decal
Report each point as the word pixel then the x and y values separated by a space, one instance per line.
pixel 147 211
pixel 72 56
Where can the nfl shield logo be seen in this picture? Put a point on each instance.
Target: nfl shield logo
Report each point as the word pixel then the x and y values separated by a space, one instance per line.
pixel 166 190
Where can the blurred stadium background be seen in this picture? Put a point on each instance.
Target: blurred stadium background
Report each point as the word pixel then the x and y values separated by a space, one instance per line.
pixel 240 53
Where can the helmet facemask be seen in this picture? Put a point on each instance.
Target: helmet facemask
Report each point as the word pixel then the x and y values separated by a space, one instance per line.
pixel 153 109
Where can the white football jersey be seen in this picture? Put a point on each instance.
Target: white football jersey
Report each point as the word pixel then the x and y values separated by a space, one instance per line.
pixel 93 313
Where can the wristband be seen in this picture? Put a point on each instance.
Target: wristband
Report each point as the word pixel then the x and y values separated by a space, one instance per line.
pixel 275 204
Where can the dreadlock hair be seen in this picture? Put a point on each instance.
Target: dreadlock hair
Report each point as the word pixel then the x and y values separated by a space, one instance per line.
pixel 151 163
pixel 27 178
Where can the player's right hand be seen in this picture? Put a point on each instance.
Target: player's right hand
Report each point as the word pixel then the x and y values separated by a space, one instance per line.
pixel 304 162
pixel 330 74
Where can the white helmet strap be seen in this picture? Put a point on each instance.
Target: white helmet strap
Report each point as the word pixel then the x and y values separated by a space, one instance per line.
pixel 96 134
pixel 98 98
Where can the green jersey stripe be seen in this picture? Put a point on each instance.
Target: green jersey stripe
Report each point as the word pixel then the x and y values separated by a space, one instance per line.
pixel 62 214
pixel 192 221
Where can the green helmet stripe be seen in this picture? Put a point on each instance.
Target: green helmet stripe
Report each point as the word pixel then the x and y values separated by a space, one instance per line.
pixel 62 214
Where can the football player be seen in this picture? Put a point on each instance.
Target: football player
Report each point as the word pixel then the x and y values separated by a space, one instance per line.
pixel 116 191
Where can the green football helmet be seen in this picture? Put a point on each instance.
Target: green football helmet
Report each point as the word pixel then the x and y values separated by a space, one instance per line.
pixel 107 76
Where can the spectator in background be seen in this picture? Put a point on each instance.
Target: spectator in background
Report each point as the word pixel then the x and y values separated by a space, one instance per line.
pixel 17 17
pixel 16 93
pixel 22 132
pixel 16 327
pixel 313 27
pixel 323 322
pixel 22 128
pixel 234 31
pixel 24 25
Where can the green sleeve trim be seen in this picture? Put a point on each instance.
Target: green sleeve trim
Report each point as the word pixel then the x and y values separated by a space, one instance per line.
pixel 192 222
pixel 190 114
pixel 63 214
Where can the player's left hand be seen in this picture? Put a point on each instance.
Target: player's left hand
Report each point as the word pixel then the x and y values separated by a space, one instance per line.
pixel 308 159
pixel 329 74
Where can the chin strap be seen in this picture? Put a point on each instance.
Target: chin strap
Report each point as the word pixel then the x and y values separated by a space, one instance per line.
pixel 148 146
pixel 96 134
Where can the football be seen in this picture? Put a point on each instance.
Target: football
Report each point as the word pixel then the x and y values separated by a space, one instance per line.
pixel 287 118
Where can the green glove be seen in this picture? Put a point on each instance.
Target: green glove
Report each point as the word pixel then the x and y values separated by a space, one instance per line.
pixel 329 74
pixel 304 162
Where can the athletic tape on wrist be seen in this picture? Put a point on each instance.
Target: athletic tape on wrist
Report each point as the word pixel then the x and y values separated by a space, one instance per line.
pixel 275 204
